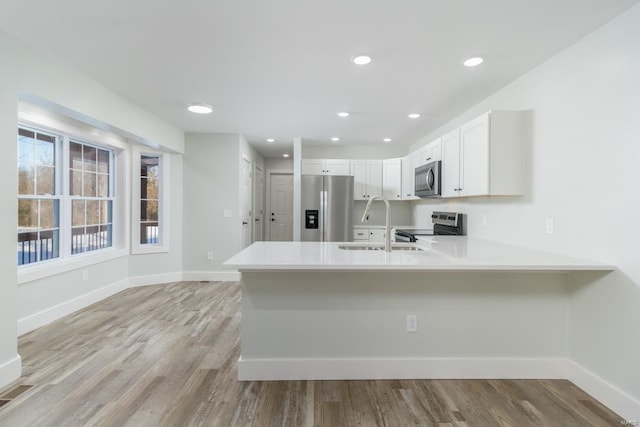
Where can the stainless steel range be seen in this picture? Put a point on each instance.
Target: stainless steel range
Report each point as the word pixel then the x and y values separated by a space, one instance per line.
pixel 444 224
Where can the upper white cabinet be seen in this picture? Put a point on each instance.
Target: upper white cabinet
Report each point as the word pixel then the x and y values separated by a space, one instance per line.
pixel 450 171
pixel 392 179
pixel 325 167
pixel 409 165
pixel 484 157
pixel 431 152
pixel 367 178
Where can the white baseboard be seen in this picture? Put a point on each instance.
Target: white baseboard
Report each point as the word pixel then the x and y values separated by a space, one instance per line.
pixel 211 276
pixel 608 394
pixel 155 279
pixel 44 317
pixel 10 371
pixel 400 368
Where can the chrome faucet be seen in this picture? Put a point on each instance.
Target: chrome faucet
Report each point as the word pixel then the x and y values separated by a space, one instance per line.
pixel 387 241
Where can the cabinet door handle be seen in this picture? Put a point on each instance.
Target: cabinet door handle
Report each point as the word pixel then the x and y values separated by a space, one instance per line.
pixel 428 158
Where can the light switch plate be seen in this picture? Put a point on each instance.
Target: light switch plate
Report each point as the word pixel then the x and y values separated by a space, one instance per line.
pixel 227 213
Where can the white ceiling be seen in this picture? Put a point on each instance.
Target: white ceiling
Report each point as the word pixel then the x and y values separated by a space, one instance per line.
pixel 282 69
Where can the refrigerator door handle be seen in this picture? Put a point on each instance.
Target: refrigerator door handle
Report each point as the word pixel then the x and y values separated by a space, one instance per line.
pixel 323 206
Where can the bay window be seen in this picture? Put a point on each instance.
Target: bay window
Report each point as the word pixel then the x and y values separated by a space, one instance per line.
pixel 65 196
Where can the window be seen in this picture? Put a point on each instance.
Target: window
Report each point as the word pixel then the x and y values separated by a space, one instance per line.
pixel 38 199
pixel 149 198
pixel 57 220
pixel 149 216
pixel 91 204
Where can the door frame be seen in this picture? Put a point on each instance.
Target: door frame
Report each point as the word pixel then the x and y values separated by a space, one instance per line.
pixel 267 198
pixel 257 167
pixel 244 157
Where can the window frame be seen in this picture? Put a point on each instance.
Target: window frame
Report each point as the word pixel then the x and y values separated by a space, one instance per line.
pixel 119 194
pixel 57 185
pixel 164 159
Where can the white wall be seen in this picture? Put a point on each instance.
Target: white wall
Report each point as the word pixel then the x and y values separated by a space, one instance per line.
pixel 211 185
pixel 584 118
pixel 278 163
pixel 9 362
pixel 23 71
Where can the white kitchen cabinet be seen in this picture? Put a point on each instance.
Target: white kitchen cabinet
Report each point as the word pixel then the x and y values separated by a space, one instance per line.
pixel 450 171
pixel 484 156
pixel 360 234
pixel 367 178
pixel 431 152
pixel 392 179
pixel 374 234
pixel 409 164
pixel 377 234
pixel 325 167
pixel 337 167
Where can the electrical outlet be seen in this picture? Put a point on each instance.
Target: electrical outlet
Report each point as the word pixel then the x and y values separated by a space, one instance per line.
pixel 210 256
pixel 549 226
pixel 412 323
pixel 85 274
pixel 484 220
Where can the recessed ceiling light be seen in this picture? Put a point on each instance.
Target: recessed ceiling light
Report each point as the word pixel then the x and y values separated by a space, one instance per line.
pixel 472 62
pixel 270 140
pixel 343 114
pixel 387 140
pixel 200 108
pixel 335 139
pixel 413 115
pixel 361 60
pixel 285 155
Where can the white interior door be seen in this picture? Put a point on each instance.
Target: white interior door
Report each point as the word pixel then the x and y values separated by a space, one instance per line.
pixel 245 202
pixel 281 202
pixel 258 204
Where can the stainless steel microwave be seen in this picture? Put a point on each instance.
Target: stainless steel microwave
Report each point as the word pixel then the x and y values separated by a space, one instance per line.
pixel 428 182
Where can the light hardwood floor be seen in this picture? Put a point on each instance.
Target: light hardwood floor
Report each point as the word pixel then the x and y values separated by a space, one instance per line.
pixel 166 355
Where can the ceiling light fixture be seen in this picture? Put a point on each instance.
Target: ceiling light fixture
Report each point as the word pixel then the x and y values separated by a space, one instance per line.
pixel 285 155
pixel 387 140
pixel 473 62
pixel 270 140
pixel 335 139
pixel 413 115
pixel 200 108
pixel 343 114
pixel 361 60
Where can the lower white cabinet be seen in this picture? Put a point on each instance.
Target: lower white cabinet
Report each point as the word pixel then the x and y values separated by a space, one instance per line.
pixel 369 234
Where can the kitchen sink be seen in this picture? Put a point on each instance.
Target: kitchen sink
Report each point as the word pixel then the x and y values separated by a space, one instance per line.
pixel 369 247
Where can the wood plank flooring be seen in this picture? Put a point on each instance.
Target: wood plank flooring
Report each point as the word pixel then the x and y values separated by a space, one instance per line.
pixel 166 355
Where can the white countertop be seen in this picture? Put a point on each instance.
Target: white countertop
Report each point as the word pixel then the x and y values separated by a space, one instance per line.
pixel 440 253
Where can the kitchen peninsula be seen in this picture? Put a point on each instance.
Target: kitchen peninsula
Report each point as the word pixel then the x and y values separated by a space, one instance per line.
pixel 482 310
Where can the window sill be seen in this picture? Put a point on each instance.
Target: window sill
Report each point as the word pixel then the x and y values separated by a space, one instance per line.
pixel 149 249
pixel 51 268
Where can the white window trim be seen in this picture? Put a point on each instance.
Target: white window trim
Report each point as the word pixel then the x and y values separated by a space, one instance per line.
pixel 163 202
pixel 121 181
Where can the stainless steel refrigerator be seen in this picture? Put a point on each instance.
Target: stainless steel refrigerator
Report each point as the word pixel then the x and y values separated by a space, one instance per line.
pixel 326 208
